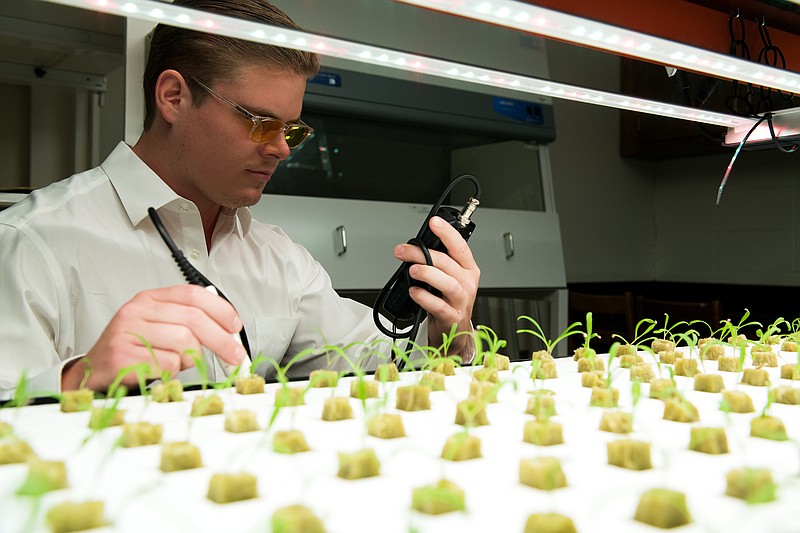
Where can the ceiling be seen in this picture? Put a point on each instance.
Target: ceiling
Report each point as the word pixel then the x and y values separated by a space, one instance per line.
pixel 41 35
pixel 38 34
pixel 779 14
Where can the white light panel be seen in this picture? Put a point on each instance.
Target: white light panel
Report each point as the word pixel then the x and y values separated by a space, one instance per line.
pixel 570 28
pixel 180 16
pixel 785 124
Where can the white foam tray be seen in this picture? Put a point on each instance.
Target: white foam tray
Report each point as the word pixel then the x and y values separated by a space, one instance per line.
pixel 599 497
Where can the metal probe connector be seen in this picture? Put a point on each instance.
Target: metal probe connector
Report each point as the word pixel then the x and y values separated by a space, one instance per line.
pixel 466 213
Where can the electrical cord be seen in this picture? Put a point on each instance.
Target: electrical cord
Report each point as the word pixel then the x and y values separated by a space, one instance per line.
pixel 406 313
pixel 768 55
pixel 684 87
pixel 190 273
pixel 780 146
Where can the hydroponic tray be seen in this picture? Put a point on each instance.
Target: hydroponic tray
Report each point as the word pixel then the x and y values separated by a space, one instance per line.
pixel 139 497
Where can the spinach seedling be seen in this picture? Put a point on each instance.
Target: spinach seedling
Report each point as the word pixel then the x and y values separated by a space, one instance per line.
pixel 540 334
pixel 639 337
pixel 666 341
pixel 485 336
pixel 768 335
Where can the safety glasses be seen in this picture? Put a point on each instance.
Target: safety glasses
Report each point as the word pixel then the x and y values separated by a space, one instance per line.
pixel 266 128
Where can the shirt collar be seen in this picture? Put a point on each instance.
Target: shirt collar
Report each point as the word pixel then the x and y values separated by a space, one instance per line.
pixel 139 188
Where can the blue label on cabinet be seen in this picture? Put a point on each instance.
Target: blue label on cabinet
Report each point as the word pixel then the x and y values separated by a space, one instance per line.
pixel 327 78
pixel 518 110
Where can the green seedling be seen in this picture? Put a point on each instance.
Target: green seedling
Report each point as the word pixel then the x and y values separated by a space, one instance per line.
pixel 793 335
pixel 540 334
pixel 81 398
pixel 282 398
pixel 116 391
pixel 639 337
pixel 690 339
pixel 471 413
pixel 255 363
pixel 109 410
pixel 357 369
pixel 714 336
pixel 206 404
pixel 617 420
pixel 229 380
pixel 435 356
pixel 449 337
pixel 666 329
pixel 201 366
pixel 114 394
pixel 731 332
pixel 487 345
pixel 404 357
pixel 765 336
pixel 21 397
pixel 163 374
pixel 793 332
pixel 771 428
pixel 588 335
pixel 712 332
pixel 612 352
pixel 770 400
pixel 533 374
pixel 636 392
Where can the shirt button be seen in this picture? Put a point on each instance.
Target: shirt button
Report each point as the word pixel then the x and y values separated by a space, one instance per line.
pixel 184 207
pixel 194 254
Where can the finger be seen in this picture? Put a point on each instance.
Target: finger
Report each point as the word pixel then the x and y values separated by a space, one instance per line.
pixel 165 351
pixel 458 256
pixel 451 289
pixel 438 308
pixel 216 307
pixel 166 336
pixel 457 247
pixel 167 362
pixel 413 254
pixel 193 328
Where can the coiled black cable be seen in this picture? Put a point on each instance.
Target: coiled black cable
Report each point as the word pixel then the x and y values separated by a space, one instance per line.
pixel 401 279
pixel 192 275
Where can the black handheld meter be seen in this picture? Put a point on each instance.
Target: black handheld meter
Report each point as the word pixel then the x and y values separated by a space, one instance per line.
pixel 394 302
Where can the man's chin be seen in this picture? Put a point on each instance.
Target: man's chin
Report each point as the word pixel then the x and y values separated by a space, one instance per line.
pixel 248 198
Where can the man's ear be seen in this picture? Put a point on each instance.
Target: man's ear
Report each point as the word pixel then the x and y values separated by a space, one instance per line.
pixel 171 95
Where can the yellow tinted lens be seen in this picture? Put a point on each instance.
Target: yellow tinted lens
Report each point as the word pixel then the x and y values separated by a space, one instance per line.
pixel 265 130
pixel 296 134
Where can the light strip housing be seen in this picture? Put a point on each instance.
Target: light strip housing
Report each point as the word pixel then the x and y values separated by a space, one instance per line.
pixel 785 124
pixel 570 28
pixel 183 17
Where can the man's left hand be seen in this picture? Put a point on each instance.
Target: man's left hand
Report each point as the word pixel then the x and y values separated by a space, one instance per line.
pixel 455 275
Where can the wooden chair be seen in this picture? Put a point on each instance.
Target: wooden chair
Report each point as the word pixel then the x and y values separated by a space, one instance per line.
pixel 707 311
pixel 611 313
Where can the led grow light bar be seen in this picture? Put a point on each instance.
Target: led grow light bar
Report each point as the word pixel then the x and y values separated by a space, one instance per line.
pixel 785 123
pixel 546 22
pixel 183 17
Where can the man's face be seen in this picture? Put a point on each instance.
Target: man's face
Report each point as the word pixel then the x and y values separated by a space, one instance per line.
pixel 219 163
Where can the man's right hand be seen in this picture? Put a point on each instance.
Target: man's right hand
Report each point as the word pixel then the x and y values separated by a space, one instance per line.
pixel 173 320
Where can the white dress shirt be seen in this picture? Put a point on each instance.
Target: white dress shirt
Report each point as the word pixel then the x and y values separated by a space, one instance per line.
pixel 75 251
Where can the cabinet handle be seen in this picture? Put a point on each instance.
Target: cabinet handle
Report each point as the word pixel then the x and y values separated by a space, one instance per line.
pixel 341 245
pixel 508 239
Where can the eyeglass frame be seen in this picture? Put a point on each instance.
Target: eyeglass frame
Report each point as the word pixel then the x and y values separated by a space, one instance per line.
pixel 257 120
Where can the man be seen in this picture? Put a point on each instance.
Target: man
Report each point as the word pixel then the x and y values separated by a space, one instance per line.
pixel 89 288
